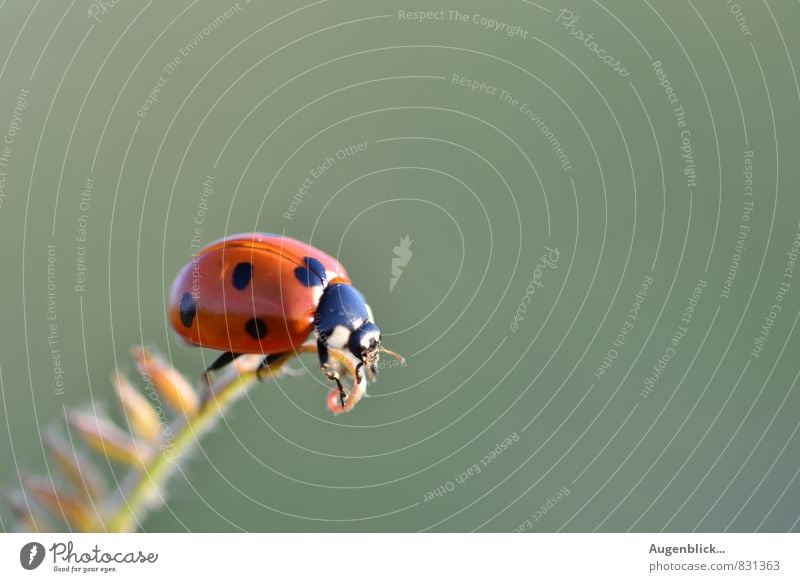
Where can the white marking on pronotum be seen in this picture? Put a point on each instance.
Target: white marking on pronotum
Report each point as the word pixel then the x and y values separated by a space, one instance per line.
pixel 338 339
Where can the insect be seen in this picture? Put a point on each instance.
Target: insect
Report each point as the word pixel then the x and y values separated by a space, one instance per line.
pixel 265 294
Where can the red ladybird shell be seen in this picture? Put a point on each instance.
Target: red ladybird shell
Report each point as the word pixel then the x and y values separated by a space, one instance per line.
pixel 251 293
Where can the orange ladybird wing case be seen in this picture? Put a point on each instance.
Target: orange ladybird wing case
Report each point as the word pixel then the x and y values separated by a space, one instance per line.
pixel 244 294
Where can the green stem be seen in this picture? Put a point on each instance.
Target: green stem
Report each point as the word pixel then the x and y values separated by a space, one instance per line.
pixel 156 470
pixel 144 482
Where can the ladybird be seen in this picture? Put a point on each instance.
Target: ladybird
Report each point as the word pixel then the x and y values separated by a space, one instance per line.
pixel 260 293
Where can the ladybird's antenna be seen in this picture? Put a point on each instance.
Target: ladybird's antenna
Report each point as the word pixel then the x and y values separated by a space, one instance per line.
pixel 394 354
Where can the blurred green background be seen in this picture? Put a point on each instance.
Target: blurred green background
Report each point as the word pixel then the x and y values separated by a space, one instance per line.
pixel 557 149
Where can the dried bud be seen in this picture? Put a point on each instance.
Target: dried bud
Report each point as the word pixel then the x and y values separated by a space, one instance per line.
pixel 107 438
pixel 141 415
pixel 76 512
pixel 27 512
pixel 83 475
pixel 175 389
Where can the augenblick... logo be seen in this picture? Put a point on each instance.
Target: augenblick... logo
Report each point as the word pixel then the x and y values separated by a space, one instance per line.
pixel 67 559
pixel 687 549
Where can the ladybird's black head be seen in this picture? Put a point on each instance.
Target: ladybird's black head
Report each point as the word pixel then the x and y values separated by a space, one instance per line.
pixel 365 343
pixel 344 321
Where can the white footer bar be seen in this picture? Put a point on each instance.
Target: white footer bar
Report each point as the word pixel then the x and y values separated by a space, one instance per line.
pixel 407 557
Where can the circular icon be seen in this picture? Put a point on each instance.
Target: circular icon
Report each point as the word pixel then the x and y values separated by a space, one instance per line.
pixel 31 555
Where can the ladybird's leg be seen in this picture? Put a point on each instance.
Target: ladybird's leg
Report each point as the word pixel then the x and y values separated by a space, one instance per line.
pixel 330 373
pixel 324 356
pixel 220 362
pixel 270 361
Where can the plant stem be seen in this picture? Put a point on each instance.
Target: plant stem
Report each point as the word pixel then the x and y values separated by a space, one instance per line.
pixel 156 470
pixel 145 481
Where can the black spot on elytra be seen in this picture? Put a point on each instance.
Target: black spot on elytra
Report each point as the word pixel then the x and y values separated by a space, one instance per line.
pixel 316 266
pixel 312 274
pixel 188 309
pixel 306 277
pixel 242 274
pixel 256 328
